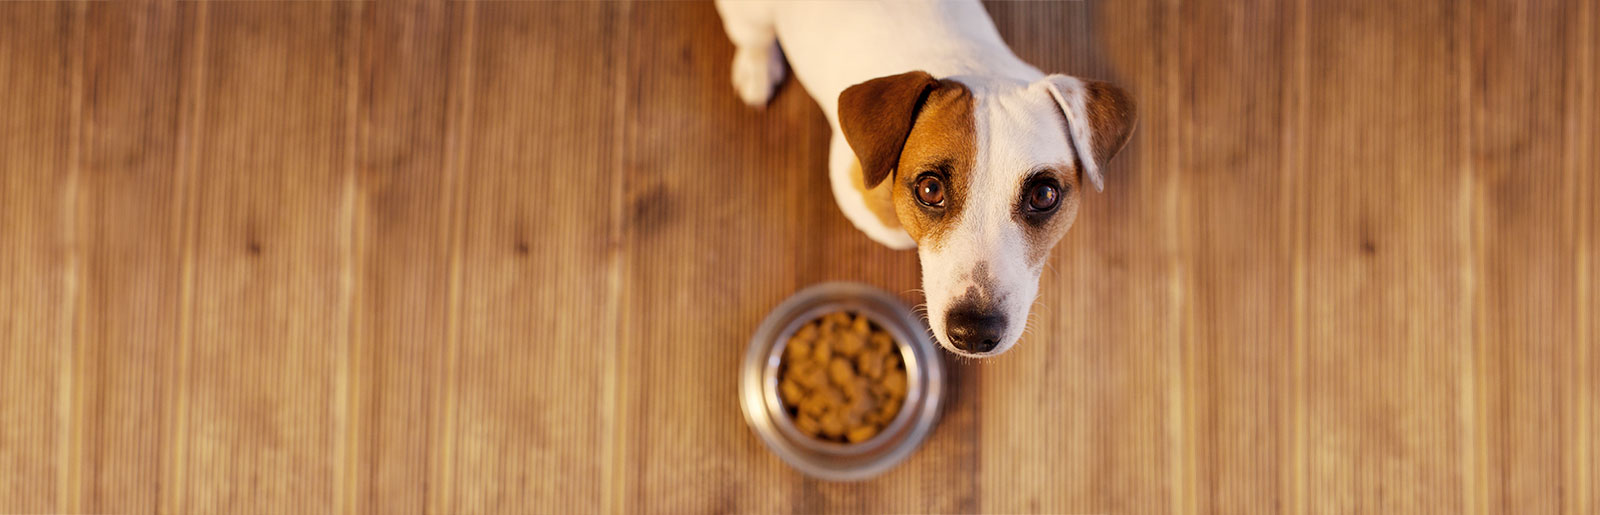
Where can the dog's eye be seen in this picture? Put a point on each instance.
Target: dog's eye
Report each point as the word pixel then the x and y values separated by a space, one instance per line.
pixel 1043 196
pixel 930 190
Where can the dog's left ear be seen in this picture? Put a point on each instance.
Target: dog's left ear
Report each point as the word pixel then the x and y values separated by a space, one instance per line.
pixel 1100 120
pixel 876 117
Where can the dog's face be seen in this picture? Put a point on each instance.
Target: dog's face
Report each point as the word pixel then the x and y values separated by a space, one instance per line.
pixel 986 176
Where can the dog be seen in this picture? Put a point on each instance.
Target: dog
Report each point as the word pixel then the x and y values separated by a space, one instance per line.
pixel 943 140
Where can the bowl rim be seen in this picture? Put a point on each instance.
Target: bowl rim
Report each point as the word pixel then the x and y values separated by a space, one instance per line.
pixel 871 462
pixel 785 423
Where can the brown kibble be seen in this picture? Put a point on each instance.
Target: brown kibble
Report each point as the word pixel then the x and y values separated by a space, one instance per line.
pixel 888 410
pixel 870 365
pixel 832 323
pixel 880 343
pixel 832 425
pixel 807 332
pixel 861 326
pixel 850 416
pixel 895 381
pixel 823 351
pixel 853 389
pixel 797 350
pixel 860 404
pixel 849 344
pixel 808 374
pixel 808 425
pixel 815 404
pixel 862 384
pixel 791 392
pixel 842 377
pixel 834 397
pixel 840 373
pixel 862 433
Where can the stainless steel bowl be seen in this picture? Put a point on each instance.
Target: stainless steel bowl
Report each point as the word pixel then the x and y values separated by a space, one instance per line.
pixel 758 384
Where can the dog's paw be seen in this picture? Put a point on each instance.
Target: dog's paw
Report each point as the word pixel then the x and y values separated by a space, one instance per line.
pixel 757 72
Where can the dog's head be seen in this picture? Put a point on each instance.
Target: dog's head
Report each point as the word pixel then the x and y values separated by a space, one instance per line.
pixel 986 176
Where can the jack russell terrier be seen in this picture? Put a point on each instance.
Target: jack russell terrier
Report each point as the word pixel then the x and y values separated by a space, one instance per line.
pixel 943 140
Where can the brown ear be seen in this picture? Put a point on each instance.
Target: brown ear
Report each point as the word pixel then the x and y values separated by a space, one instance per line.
pixel 1100 120
pixel 876 117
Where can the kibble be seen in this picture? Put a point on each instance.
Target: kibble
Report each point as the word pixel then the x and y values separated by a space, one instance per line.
pixel 842 379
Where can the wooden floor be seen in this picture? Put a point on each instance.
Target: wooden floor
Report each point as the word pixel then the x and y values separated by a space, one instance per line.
pixel 504 257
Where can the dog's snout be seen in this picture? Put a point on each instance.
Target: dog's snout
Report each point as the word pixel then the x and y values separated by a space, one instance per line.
pixel 972 329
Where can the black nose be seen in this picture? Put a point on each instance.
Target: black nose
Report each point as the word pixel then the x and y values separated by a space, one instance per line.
pixel 974 330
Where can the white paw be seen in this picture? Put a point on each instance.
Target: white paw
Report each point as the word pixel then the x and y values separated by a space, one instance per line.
pixel 756 73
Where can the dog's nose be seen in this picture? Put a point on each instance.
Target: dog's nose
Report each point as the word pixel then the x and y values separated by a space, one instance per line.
pixel 974 330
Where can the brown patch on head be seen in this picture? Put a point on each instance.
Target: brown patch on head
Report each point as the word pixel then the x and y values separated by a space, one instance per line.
pixel 1043 230
pixel 943 141
pixel 1111 116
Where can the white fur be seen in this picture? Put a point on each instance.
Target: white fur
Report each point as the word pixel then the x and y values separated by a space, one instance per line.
pixel 832 45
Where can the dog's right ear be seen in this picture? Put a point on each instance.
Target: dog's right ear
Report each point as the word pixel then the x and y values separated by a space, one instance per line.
pixel 1100 119
pixel 876 117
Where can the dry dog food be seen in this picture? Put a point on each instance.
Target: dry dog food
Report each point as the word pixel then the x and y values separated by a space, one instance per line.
pixel 842 378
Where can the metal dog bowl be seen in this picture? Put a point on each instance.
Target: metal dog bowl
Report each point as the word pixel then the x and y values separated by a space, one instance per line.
pixel 758 384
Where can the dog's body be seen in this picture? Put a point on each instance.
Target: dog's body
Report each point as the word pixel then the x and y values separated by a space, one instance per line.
pixel 943 140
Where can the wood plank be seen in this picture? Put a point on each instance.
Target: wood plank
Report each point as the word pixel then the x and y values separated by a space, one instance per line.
pixel 1238 69
pixel 266 415
pixel 1081 416
pixel 1387 367
pixel 130 209
pixel 540 157
pixel 40 281
pixel 1586 208
pixel 1521 109
pixel 1589 257
pixel 693 298
pixel 1581 466
pixel 406 185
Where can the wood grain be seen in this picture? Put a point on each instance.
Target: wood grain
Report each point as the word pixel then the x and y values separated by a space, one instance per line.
pixel 1240 313
pixel 266 382
pixel 1387 259
pixel 1523 177
pixel 405 222
pixel 41 273
pixel 525 426
pixel 463 257
pixel 129 213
